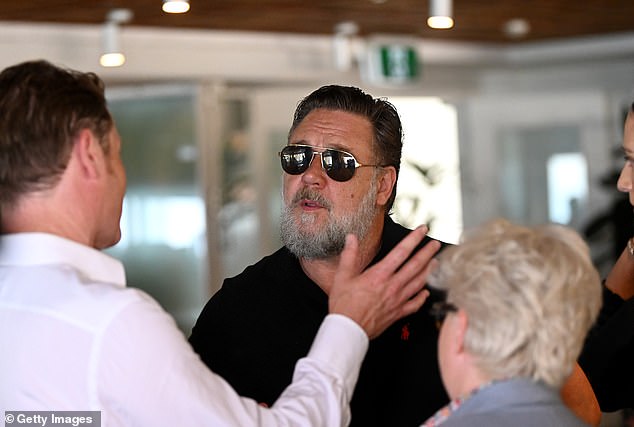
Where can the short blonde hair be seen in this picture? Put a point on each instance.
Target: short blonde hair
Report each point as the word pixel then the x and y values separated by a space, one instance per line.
pixel 530 295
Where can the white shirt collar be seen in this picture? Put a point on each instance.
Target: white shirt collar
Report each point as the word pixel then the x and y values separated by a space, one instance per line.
pixel 24 249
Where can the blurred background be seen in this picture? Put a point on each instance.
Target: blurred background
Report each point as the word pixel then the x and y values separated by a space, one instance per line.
pixel 516 110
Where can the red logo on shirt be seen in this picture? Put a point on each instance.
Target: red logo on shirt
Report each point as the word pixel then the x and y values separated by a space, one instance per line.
pixel 405 332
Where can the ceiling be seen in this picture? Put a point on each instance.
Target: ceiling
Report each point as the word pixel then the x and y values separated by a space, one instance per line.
pixel 475 20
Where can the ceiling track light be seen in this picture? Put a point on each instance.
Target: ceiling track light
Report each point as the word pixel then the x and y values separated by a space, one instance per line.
pixel 112 55
pixel 342 44
pixel 440 14
pixel 175 6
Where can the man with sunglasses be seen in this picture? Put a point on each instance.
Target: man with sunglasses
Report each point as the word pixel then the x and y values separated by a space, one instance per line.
pixel 341 167
pixel 75 338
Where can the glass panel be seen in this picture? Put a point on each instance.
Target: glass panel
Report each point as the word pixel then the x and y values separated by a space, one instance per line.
pixel 428 189
pixel 275 141
pixel 163 245
pixel 567 187
pixel 238 217
pixel 531 193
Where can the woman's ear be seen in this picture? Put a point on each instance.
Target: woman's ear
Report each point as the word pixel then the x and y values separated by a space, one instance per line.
pixel 460 320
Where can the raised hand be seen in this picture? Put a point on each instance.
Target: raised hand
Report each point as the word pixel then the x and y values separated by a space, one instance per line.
pixel 386 291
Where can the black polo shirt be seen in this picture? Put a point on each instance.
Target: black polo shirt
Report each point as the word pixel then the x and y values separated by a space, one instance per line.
pixel 256 327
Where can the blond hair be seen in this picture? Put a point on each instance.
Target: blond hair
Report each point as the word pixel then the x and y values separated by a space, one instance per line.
pixel 530 295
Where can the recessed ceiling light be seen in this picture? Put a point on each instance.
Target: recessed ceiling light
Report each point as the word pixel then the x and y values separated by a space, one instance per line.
pixel 175 6
pixel 517 28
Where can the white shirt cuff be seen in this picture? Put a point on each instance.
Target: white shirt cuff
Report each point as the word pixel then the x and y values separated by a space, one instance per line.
pixel 341 344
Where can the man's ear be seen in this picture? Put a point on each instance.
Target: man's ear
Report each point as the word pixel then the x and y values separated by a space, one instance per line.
pixel 89 154
pixel 387 180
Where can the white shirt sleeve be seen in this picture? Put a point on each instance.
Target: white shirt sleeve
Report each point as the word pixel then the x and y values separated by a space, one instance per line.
pixel 147 374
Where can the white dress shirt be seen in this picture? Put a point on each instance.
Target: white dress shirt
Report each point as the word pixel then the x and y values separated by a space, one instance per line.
pixel 74 338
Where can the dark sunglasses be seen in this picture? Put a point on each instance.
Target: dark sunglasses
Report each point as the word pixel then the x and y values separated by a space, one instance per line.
pixel 339 165
pixel 439 311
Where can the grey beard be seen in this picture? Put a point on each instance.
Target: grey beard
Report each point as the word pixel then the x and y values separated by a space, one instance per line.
pixel 330 239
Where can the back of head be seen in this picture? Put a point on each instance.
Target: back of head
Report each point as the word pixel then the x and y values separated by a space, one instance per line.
pixel 385 121
pixel 530 295
pixel 42 109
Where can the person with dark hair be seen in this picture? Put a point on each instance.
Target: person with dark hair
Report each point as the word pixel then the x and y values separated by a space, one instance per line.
pixel 74 338
pixel 608 356
pixel 340 167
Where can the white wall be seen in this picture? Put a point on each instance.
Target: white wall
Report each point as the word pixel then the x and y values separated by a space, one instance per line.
pixel 166 54
pixel 450 69
pixel 588 79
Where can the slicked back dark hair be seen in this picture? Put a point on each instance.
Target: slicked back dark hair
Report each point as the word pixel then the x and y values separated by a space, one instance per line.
pixel 387 141
pixel 42 110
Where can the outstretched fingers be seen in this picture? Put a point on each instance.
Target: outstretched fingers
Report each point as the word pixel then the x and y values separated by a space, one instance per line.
pixel 413 292
pixel 406 284
pixel 390 289
pixel 401 252
pixel 412 275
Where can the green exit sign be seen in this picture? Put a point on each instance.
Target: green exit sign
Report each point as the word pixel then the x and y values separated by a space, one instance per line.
pixel 398 63
pixel 391 61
